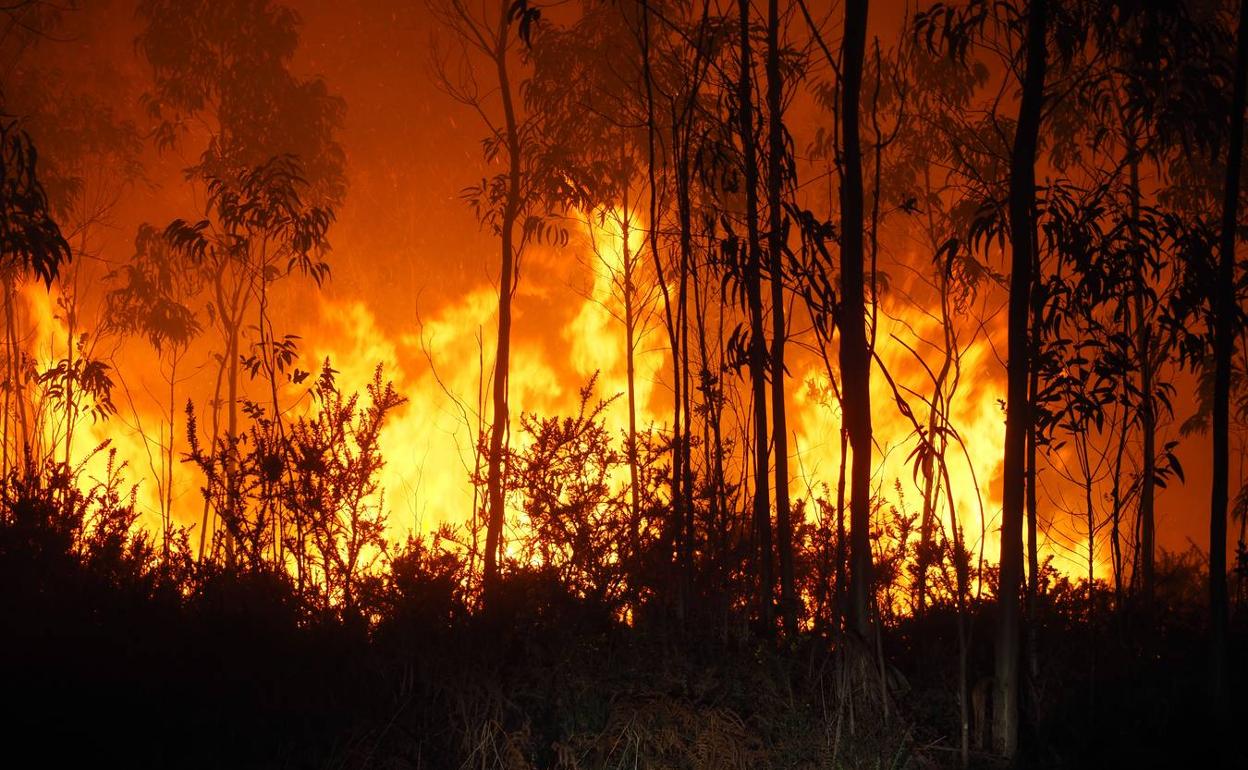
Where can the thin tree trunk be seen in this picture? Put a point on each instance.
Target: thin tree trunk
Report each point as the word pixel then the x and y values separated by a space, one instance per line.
pixel 758 349
pixel 1146 549
pixel 215 435
pixel 167 459
pixel 962 585
pixel 683 426
pixel 1148 430
pixel 15 394
pixel 1224 310
pixel 855 358
pixel 1031 482
pixel 71 411
pixel 231 308
pixel 929 507
pixel 476 461
pixel 1032 506
pixel 1089 516
pixel 1115 533
pixel 502 357
pixel 1018 408
pixel 675 480
pixel 842 592
pixel 630 355
pixel 231 433
pixel 11 381
pixel 1033 534
pixel 930 484
pixel 775 249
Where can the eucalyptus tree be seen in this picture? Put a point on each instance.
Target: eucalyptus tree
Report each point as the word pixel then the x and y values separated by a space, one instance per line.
pixel 1022 36
pixel 1131 95
pixel 855 354
pixel 754 340
pixel 154 297
pixel 1081 356
pixel 516 203
pixel 1022 249
pixel 1139 130
pixel 689 56
pixel 781 178
pixel 586 90
pixel 89 155
pixel 1227 325
pixel 227 66
pixel 841 309
pixel 90 158
pixel 498 202
pixel 697 148
pixel 931 103
pixel 1196 112
pixel 260 227
pixel 31 242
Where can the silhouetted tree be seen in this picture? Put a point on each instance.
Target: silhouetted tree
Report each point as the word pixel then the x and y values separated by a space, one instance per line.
pixel 1227 323
pixel 265 123
pixel 30 242
pixel 1018 407
pixel 779 175
pixel 851 315
pixel 259 229
pixel 153 300
pixel 587 88
pixel 754 340
pixel 514 204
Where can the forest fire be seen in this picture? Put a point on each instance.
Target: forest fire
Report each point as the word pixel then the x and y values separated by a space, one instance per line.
pixel 626 382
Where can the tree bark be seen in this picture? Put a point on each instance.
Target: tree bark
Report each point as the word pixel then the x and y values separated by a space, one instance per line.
pixel 1022 198
pixel 855 357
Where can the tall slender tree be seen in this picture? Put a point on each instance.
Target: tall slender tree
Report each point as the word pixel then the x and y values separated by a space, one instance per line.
pixel 1226 317
pixel 1022 203
pixel 499 202
pixel 777 167
pixel 852 315
pixel 259 115
pixel 754 299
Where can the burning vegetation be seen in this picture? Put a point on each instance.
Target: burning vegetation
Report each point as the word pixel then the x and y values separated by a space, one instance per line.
pixel 624 383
